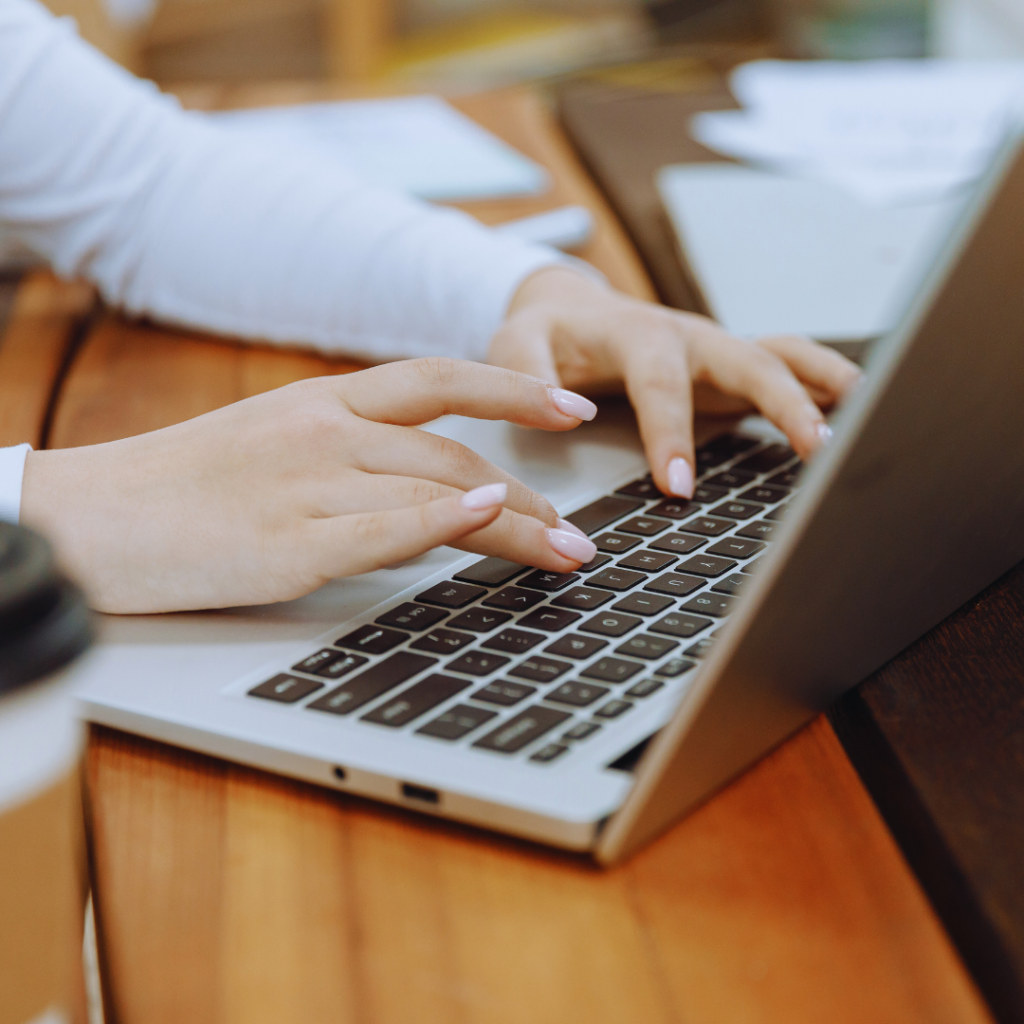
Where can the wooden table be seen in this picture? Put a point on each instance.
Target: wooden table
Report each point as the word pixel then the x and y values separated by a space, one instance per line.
pixel 228 895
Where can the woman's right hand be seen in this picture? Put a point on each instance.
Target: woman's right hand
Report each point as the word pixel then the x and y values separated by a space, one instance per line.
pixel 268 499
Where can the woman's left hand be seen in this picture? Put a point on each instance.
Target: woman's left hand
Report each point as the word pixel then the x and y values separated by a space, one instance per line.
pixel 578 333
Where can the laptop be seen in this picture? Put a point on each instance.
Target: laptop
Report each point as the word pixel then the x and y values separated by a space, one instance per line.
pixel 591 710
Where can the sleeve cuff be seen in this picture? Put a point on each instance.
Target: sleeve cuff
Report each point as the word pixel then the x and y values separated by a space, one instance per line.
pixel 12 471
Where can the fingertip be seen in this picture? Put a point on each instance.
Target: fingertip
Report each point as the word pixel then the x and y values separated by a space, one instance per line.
pixel 680 476
pixel 489 496
pixel 568 403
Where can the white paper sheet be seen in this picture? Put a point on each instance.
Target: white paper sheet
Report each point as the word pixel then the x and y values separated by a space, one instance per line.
pixel 889 132
pixel 418 144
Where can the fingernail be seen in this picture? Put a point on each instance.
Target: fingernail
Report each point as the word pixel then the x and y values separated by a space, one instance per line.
pixel 564 524
pixel 824 432
pixel 487 496
pixel 579 549
pixel 572 404
pixel 680 478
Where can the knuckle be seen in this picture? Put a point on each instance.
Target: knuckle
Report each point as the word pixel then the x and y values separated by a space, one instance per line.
pixel 439 372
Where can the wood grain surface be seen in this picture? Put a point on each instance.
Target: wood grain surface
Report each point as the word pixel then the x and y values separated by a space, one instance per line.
pixel 228 895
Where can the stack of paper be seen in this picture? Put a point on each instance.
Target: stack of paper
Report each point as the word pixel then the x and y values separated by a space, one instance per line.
pixel 417 144
pixel 889 132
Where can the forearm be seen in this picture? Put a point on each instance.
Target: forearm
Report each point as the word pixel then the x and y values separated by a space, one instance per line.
pixel 175 219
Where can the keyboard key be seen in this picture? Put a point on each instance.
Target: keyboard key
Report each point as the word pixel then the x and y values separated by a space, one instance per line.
pixel 680 624
pixel 372 682
pixel 612 670
pixel 765 494
pixel 708 526
pixel 706 494
pixel 575 646
pixel 675 584
pixel 479 620
pixel 540 669
pixel 451 595
pixel 644 646
pixel 372 639
pixel 730 584
pixel 514 599
pixel 595 563
pixel 285 688
pixel 513 641
pixel 491 572
pixel 503 692
pixel 708 603
pixel 577 694
pixel 722 449
pixel 674 667
pixel 777 514
pixel 616 579
pixel 645 688
pixel 767 459
pixel 330 664
pixel 737 509
pixel 642 488
pixel 675 508
pixel 442 641
pixel 521 730
pixel 701 648
pixel 707 565
pixel 456 722
pixel 677 543
pixel 316 661
pixel 583 598
pixel 550 753
pixel 550 619
pixel 787 478
pixel 731 478
pixel 615 543
pixel 549 581
pixel 581 730
pixel 611 624
pixel 647 561
pixel 415 701
pixel 751 566
pixel 736 547
pixel 613 709
pixel 759 530
pixel 477 663
pixel 411 616
pixel 645 526
pixel 642 603
pixel 601 513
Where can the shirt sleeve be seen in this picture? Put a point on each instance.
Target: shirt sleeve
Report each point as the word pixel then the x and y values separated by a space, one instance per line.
pixel 12 469
pixel 174 217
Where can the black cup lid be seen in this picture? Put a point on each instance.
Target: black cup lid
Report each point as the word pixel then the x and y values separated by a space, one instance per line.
pixel 44 622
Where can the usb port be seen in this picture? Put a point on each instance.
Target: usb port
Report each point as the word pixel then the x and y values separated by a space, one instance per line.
pixel 421 793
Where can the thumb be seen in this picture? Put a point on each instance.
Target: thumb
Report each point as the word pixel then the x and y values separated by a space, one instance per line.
pixel 353 544
pixel 525 349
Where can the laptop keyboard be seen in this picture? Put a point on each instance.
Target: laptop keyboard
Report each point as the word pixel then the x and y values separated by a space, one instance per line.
pixel 531 664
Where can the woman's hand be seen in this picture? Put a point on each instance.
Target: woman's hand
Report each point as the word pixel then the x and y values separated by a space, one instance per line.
pixel 575 332
pixel 267 499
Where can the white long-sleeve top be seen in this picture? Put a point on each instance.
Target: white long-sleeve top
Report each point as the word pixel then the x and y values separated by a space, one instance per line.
pixel 170 216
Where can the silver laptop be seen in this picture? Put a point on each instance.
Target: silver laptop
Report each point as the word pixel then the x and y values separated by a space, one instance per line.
pixel 590 710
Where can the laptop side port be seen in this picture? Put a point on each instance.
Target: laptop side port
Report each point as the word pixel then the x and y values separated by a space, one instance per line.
pixel 340 773
pixel 421 793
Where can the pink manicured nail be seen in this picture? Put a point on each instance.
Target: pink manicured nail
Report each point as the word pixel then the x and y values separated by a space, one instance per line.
pixel 579 549
pixel 572 404
pixel 680 478
pixel 564 524
pixel 824 433
pixel 487 496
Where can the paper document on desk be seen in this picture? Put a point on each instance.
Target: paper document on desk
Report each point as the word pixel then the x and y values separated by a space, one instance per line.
pixel 888 132
pixel 417 144
pixel 774 254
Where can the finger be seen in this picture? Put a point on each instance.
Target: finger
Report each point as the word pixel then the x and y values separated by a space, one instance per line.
pixel 825 373
pixel 353 544
pixel 419 390
pixel 754 373
pixel 399 451
pixel 525 349
pixel 658 382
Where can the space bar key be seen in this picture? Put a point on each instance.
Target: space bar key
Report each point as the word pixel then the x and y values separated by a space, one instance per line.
pixel 598 514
